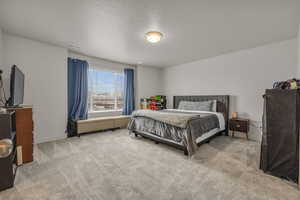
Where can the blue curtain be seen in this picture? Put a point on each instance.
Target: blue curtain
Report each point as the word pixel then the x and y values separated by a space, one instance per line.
pixel 77 93
pixel 128 91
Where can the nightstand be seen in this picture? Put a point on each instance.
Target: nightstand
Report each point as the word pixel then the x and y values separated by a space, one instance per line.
pixel 240 125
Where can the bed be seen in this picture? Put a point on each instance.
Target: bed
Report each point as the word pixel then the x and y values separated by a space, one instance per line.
pixel 183 129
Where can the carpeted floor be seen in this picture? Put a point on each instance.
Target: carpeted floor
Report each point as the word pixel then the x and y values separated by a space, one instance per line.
pixel 113 165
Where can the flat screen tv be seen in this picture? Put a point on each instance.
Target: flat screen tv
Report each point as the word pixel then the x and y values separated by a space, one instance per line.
pixel 16 87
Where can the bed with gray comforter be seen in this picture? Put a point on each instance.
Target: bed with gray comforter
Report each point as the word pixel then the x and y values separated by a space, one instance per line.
pixel 181 128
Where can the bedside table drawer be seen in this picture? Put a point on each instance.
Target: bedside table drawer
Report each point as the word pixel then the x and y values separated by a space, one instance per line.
pixel 237 125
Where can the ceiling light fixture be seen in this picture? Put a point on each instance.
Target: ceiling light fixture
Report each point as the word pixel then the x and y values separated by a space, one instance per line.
pixel 153 36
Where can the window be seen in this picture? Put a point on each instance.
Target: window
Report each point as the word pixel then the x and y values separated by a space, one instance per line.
pixel 105 90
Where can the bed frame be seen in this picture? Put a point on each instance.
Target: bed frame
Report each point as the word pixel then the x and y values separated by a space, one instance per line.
pixel 222 106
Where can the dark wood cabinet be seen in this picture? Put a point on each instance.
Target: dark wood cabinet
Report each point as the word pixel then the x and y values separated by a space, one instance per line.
pixel 240 125
pixel 8 165
pixel 280 139
pixel 17 125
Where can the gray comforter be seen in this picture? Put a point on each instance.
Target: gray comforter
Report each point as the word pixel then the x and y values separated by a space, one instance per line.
pixel 169 117
pixel 178 127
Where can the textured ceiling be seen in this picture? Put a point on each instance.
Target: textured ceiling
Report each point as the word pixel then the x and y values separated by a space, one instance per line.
pixel 114 29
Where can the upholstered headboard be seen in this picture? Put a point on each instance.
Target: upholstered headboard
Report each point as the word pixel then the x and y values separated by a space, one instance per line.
pixel 222 103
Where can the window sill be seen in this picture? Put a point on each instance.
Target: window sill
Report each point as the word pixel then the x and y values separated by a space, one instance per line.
pixel 104 111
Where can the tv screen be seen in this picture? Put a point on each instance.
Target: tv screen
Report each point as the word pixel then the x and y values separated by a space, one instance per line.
pixel 16 86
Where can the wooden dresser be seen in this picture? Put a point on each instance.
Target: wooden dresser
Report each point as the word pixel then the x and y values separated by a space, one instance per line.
pixel 24 132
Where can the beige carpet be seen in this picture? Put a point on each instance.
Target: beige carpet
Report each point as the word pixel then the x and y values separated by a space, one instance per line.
pixel 112 165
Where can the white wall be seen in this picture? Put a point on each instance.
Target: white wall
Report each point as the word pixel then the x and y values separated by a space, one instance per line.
pixel 244 75
pixel 45 68
pixel 149 82
pixel 1 48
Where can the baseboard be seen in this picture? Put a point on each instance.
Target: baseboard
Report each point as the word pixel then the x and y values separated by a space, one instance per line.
pixel 49 139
